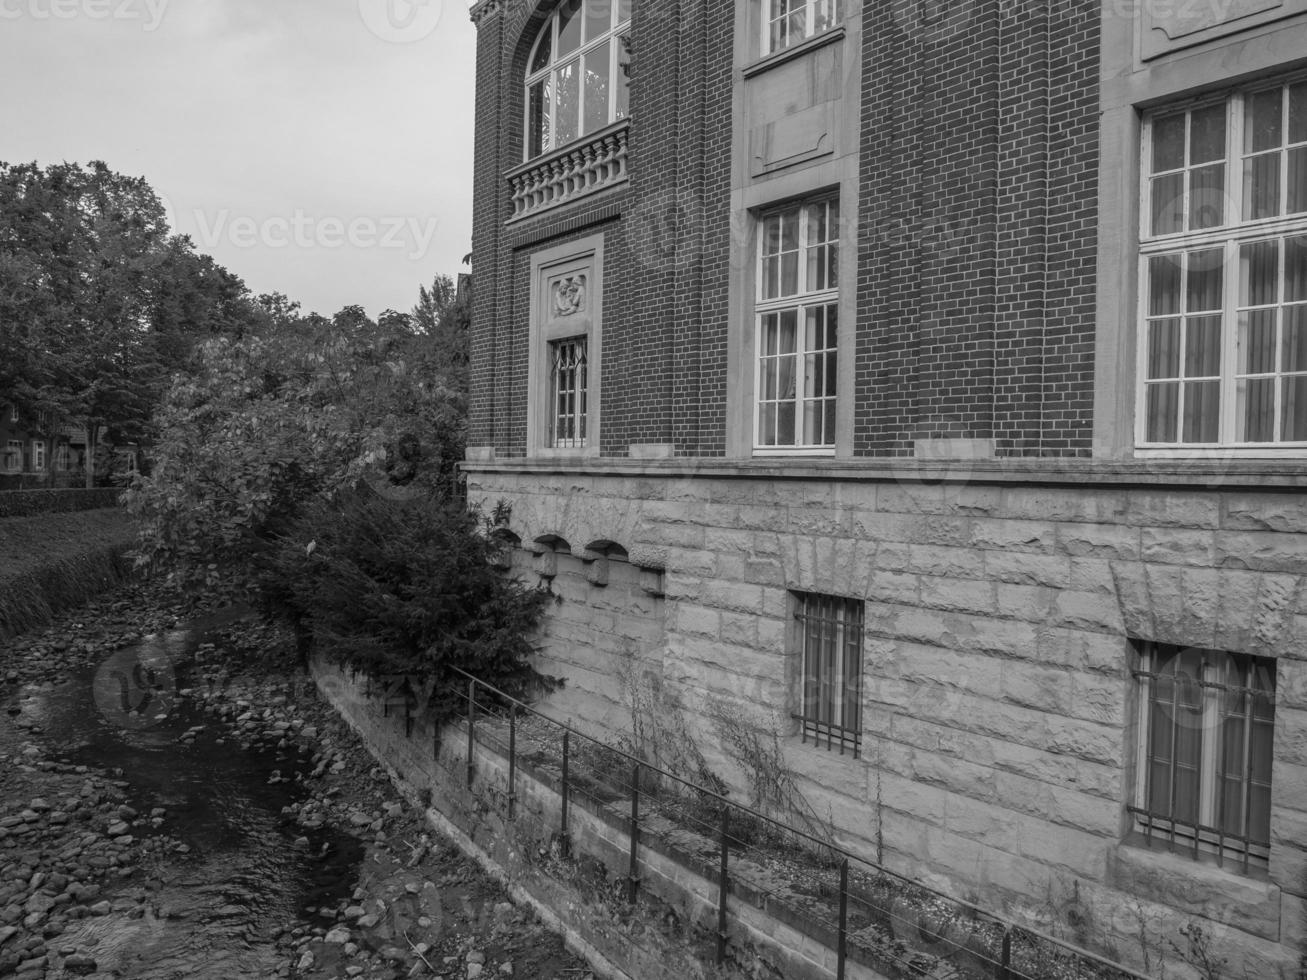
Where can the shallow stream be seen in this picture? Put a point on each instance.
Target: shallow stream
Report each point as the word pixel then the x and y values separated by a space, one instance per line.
pixel 245 874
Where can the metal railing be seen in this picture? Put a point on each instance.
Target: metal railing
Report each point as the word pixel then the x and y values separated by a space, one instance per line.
pixel 857 908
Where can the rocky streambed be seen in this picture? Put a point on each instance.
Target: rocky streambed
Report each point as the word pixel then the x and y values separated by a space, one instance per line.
pixel 176 802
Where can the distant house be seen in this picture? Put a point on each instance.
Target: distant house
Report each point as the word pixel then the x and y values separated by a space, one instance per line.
pixel 34 452
pixel 928 382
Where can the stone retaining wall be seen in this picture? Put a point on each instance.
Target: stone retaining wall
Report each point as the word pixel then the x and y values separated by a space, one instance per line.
pixel 999 713
pixel 668 934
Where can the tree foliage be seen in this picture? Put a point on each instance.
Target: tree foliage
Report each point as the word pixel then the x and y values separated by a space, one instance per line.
pixel 99 304
pixel 444 317
pixel 406 589
pixel 270 421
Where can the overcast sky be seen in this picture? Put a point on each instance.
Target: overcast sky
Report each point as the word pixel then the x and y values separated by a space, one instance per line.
pixel 322 148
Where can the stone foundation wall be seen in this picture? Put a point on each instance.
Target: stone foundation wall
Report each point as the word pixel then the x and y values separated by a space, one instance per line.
pixel 999 715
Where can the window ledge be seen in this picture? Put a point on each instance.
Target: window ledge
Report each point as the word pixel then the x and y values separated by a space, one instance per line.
pixel 795 51
pixel 1199 888
pixel 580 168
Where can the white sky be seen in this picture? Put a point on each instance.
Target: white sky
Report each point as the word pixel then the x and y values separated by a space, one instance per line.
pixel 322 148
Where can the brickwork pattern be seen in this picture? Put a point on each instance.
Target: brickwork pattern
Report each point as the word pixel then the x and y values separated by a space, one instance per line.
pixel 976 257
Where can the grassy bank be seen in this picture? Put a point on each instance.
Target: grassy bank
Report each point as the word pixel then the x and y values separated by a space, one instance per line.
pixel 50 562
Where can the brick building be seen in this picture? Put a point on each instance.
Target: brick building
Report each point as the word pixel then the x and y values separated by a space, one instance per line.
pixel 921 378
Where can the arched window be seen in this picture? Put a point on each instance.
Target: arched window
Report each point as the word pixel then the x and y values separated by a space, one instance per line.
pixel 577 78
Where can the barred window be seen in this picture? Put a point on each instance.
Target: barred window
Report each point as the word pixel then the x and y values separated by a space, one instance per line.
pixel 791 21
pixel 797 323
pixel 568 385
pixel 831 684
pixel 1207 723
pixel 1223 325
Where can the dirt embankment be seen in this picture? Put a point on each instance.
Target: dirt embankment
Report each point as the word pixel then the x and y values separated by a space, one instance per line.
pixel 52 562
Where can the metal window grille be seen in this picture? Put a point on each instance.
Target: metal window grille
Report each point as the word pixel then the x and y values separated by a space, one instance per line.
pixel 831 629
pixel 1207 728
pixel 568 387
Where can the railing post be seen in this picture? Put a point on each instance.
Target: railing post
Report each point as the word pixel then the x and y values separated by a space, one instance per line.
pixel 722 884
pixel 512 762
pixel 842 951
pixel 1005 968
pixel 566 792
pixel 633 879
pixel 471 726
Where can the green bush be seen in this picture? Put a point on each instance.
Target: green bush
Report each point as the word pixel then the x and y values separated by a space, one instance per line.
pixel 405 588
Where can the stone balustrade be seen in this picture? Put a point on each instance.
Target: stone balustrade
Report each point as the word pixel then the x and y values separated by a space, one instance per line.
pixel 576 170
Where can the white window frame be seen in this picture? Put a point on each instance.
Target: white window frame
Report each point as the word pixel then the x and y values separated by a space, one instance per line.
pixel 776 11
pixel 38 455
pixel 13 414
pixel 1206 839
pixel 1229 236
pixel 619 29
pixel 14 456
pixel 829 641
pixel 584 257
pixel 799 302
pixel 61 457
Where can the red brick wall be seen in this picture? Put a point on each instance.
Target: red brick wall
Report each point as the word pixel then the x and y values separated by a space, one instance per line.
pixel 976 233
pixel 976 253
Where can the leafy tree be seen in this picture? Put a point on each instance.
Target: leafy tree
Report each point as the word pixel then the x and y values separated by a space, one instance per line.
pixel 408 590
pixel 444 318
pixel 272 420
pixel 98 304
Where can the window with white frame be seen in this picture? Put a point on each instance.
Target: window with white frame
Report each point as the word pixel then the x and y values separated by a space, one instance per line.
pixel 788 22
pixel 578 74
pixel 14 456
pixel 13 413
pixel 830 637
pixel 1206 730
pixel 1223 325
pixel 797 315
pixel 38 455
pixel 61 457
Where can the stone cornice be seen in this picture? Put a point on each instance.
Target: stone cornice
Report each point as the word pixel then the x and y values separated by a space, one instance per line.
pixel 1206 474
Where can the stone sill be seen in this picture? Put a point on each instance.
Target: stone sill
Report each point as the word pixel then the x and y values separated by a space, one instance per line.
pixel 1207 474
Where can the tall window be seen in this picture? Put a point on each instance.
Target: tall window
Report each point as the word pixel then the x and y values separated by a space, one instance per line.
pixel 568 391
pixel 831 635
pixel 14 456
pixel 578 76
pixel 1223 331
pixel 791 21
pixel 797 324
pixel 1207 724
pixel 38 455
pixel 61 457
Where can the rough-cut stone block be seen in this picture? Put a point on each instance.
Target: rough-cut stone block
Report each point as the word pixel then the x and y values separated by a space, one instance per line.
pixel 1033 686
pixel 1086 610
pixel 1268 551
pixel 886 586
pixel 957 595
pixel 1197 889
pixel 1003 535
pixel 1032 603
pixel 1176 546
pixel 1077 504
pixel 1026 569
pixel 1264 512
pixel 1161 509
pixel 1109 541
pixel 935 560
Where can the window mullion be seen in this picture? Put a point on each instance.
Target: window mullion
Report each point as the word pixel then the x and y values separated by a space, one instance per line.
pixel 1230 349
